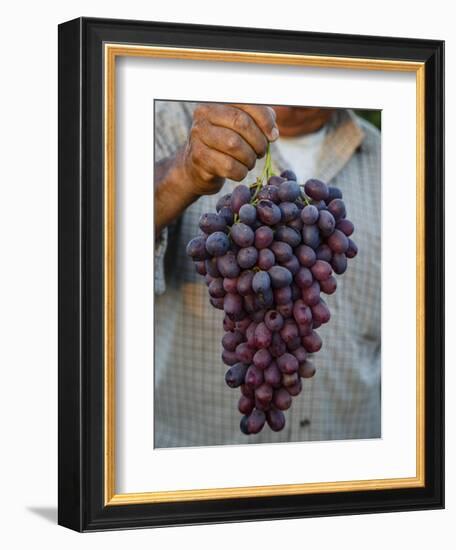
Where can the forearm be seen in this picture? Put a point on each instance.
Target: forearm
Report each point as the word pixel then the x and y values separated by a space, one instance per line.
pixel 173 191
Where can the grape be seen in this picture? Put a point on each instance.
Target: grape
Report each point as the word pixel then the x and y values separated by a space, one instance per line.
pixel 269 192
pixel 242 234
pixel 321 270
pixel 287 363
pixel 244 283
pixel 254 377
pixel 281 399
pixel 217 244
pixel 255 421
pixel 262 358
pixel 321 313
pixel 292 265
pixel 289 379
pixel 263 237
pixel 300 354
pixel 296 224
pixel 216 302
pixel 272 375
pixel 247 214
pixel 339 263
pixel 306 255
pixel 232 304
pixel 312 343
pixel 280 276
pixel 303 277
pixel 231 339
pixel 289 211
pixel 288 175
pixel 246 404
pixel 211 267
pixel 295 388
pixel 263 336
pixel 235 375
pixel 278 346
pixel 266 254
pixel 311 295
pixel 316 189
pixel 324 253
pixel 289 191
pixel 243 324
pixel 286 310
pixel 210 223
pixel 245 390
pixel 326 223
pixel 261 282
pixel 228 215
pixel 244 353
pixel 337 209
pixel 352 249
pixel 224 200
pixel 264 393
pixel 346 226
pixel 228 324
pixel 289 331
pixel 201 267
pixel 277 180
pixel 268 212
pixel 216 289
pixel 266 259
pixel 287 235
pixel 227 265
pixel 196 249
pixel 310 214
pixel 229 357
pixel 338 242
pixel 243 425
pixel 306 369
pixel 230 285
pixel 311 236
pixel 282 295
pixel 329 285
pixel 247 257
pixel 239 196
pixel 334 193
pixel 302 313
pixel 275 419
pixel 282 251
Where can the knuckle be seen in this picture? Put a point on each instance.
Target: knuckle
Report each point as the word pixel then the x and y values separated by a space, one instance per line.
pixel 241 121
pixel 233 142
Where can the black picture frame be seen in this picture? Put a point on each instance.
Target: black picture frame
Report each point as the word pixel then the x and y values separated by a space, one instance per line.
pixel 81 472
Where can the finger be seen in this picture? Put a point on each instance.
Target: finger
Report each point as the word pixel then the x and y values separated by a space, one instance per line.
pixel 234 119
pixel 216 163
pixel 225 141
pixel 264 117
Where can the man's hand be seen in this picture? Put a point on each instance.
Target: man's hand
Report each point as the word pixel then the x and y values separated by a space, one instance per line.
pixel 225 141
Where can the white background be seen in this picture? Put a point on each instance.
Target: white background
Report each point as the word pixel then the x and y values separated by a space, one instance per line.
pixel 140 467
pixel 28 285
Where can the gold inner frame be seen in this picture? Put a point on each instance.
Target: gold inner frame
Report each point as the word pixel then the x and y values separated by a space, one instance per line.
pixel 111 52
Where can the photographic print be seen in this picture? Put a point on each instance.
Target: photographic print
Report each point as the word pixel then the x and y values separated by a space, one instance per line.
pixel 250 276
pixel 267 274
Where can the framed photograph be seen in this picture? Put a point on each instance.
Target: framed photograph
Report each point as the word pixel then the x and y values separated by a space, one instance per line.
pixel 251 307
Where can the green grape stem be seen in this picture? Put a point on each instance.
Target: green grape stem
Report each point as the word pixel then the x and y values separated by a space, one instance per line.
pixel 266 173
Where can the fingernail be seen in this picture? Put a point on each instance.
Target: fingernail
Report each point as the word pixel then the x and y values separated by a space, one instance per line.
pixel 274 133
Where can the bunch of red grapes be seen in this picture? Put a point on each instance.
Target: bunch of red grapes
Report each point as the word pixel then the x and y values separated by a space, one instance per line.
pixel 267 255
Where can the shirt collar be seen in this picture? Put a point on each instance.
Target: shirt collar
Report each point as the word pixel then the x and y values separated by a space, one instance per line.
pixel 343 137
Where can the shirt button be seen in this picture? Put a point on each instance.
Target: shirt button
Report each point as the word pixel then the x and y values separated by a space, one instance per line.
pixel 304 423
